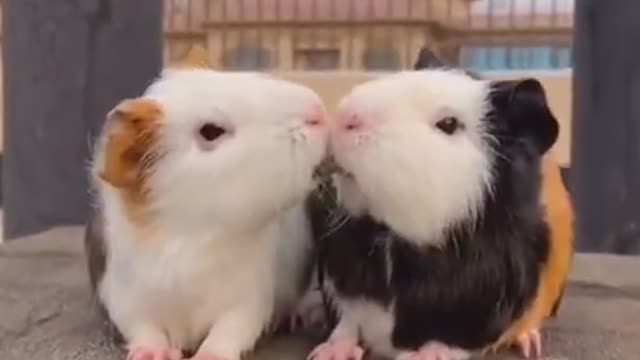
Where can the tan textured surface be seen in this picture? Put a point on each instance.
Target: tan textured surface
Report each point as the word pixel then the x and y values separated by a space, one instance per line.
pixel 46 312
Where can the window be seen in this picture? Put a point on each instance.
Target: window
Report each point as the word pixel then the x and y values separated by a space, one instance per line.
pixel 317 59
pixel 521 7
pixel 381 59
pixel 563 58
pixel 497 58
pixel 247 58
pixel 516 57
pixel 519 58
pixel 491 7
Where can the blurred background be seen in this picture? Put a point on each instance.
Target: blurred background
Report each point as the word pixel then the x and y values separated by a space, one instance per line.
pixel 66 63
pixel 371 35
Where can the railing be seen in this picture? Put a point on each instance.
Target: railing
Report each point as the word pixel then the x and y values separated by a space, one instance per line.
pixel 369 34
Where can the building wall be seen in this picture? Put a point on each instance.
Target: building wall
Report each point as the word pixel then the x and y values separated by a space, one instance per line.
pixel 305 34
pixel 288 35
pixel 388 47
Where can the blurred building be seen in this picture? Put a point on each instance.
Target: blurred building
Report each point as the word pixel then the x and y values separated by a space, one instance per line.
pixel 518 35
pixel 379 35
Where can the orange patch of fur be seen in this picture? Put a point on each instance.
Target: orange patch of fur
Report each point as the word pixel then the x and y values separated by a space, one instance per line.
pixel 129 153
pixel 559 215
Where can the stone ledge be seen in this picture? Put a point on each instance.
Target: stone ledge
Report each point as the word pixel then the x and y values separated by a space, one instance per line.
pixel 46 311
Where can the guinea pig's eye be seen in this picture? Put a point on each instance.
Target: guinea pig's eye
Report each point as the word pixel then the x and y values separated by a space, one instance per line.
pixel 210 131
pixel 448 125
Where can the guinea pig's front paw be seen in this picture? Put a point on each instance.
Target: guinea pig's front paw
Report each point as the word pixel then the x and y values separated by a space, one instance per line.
pixel 530 343
pixel 337 349
pixel 147 353
pixel 309 312
pixel 435 351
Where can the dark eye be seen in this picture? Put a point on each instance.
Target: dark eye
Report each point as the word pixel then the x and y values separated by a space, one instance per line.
pixel 448 125
pixel 210 131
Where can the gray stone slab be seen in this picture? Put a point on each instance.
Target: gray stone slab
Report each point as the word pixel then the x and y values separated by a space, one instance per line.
pixel 46 311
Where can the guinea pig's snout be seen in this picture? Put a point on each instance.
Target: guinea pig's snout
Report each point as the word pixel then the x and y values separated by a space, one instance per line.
pixel 351 121
pixel 315 116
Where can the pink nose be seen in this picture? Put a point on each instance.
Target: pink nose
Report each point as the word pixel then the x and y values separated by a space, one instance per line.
pixel 315 116
pixel 351 121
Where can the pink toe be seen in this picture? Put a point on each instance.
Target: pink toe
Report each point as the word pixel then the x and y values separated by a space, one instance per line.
pixel 439 351
pixel 537 344
pixel 525 345
pixel 530 344
pixel 175 354
pixel 153 354
pixel 141 354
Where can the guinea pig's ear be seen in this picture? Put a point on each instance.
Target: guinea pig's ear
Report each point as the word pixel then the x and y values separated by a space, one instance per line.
pixel 131 134
pixel 525 103
pixel 427 59
pixel 196 58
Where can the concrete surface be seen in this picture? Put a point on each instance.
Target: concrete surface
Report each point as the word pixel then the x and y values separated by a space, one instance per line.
pixel 46 311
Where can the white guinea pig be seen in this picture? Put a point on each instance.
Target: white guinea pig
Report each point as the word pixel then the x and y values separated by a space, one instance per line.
pixel 201 183
pixel 445 242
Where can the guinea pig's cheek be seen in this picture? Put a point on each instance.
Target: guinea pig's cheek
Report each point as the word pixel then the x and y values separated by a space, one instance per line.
pixel 340 142
pixel 316 135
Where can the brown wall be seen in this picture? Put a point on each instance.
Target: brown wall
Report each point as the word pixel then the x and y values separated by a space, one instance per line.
pixel 288 44
pixel 557 85
pixel 288 29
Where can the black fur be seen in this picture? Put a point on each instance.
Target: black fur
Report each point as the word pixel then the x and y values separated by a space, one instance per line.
pixel 469 291
pixel 428 59
pixel 553 131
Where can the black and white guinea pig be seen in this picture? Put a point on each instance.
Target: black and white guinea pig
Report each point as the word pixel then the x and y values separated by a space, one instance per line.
pixel 201 240
pixel 443 238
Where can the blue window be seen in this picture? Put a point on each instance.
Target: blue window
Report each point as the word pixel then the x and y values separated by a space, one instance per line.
pixel 475 58
pixel 563 58
pixel 497 58
pixel 541 57
pixel 516 57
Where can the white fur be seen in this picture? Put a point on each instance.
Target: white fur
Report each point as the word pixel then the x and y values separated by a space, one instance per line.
pixel 372 324
pixel 407 172
pixel 229 237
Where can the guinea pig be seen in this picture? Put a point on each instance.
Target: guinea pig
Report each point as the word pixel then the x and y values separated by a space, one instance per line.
pixel 558 212
pixel 445 248
pixel 200 185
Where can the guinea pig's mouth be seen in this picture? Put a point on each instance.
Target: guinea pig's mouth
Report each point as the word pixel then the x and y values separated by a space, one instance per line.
pixel 330 167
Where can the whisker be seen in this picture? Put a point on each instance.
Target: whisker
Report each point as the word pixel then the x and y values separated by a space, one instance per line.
pixel 335 222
